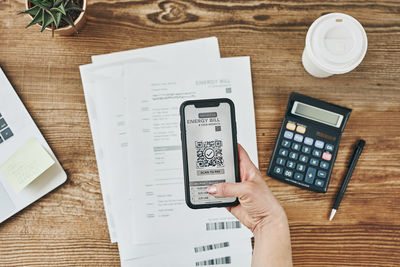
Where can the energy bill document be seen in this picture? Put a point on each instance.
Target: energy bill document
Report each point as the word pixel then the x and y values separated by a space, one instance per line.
pixel 106 101
pixel 155 94
pixel 108 109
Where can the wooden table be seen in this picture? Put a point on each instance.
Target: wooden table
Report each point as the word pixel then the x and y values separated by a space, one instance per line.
pixel 68 226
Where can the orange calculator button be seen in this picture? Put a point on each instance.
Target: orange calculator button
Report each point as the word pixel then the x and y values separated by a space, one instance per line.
pixel 290 126
pixel 301 129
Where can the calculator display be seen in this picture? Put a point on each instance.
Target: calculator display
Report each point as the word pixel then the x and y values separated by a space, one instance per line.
pixel 317 114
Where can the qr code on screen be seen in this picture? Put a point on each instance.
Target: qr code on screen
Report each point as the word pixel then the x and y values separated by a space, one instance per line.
pixel 209 154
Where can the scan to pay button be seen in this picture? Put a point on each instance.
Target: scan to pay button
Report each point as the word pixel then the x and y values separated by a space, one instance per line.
pixel 210 172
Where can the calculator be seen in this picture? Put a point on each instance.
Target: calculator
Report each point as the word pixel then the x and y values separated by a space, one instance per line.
pixel 308 142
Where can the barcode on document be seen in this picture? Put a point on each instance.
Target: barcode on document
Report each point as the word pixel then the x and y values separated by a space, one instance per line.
pixel 223 225
pixel 211 247
pixel 225 260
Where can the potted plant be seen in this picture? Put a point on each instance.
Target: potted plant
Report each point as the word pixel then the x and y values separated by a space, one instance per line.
pixel 61 16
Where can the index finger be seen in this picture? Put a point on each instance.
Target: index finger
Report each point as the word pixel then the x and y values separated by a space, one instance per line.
pixel 247 169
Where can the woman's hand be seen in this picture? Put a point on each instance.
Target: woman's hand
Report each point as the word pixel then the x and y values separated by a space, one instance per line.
pixel 257 205
pixel 261 212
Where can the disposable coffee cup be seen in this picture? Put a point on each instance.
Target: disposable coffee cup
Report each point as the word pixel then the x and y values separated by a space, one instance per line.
pixel 336 43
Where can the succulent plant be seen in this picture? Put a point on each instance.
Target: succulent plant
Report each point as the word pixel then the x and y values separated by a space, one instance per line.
pixel 52 13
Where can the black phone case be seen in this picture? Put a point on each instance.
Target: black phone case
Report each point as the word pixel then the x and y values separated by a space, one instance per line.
pixel 207 103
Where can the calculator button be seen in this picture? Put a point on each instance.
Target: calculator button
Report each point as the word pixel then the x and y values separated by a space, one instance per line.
pixel 303 158
pixel 319 144
pixel 327 156
pixel 3 124
pixel 286 143
pixel 1 140
pixel 283 152
pixel 288 135
pixel 324 165
pixel 298 138
pixel 310 175
pixel 319 182
pixel 306 149
pixel 278 170
pixel 329 147
pixel 293 155
pixel 308 141
pixel 321 174
pixel 281 161
pixel 7 133
pixel 296 146
pixel 301 129
pixel 288 173
pixel 290 164
pixel 290 126
pixel 314 162
pixel 300 167
pixel 317 153
pixel 298 176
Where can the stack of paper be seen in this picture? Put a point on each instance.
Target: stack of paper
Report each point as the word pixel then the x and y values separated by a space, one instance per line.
pixel 133 100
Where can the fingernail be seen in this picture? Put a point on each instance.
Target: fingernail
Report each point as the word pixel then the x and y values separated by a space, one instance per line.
pixel 212 189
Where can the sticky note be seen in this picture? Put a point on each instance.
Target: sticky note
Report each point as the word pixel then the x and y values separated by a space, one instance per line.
pixel 26 164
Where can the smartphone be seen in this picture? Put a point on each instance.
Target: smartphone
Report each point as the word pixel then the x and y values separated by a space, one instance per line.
pixel 209 149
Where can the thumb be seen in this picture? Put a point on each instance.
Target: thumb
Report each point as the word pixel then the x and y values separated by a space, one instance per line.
pixel 226 190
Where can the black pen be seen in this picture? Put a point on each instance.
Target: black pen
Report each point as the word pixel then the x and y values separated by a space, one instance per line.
pixel 352 165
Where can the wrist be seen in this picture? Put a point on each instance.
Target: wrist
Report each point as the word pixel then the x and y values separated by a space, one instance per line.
pixel 276 222
pixel 272 242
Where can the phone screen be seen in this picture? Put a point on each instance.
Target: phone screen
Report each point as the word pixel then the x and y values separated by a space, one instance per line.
pixel 210 153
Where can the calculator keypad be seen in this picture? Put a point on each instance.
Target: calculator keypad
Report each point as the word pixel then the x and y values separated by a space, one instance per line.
pixel 302 157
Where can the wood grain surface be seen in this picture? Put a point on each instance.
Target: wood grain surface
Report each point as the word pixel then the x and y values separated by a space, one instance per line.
pixel 68 226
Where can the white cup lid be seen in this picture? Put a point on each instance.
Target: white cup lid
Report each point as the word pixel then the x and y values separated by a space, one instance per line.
pixel 336 43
